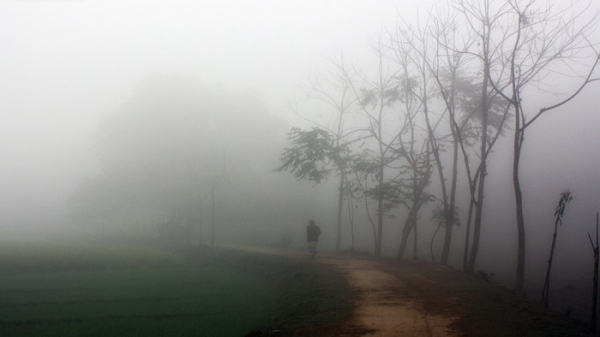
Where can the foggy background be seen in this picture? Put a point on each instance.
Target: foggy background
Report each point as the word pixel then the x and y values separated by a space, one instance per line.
pixel 66 64
pixel 69 67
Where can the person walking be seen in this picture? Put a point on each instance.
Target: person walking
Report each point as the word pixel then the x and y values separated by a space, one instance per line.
pixel 312 238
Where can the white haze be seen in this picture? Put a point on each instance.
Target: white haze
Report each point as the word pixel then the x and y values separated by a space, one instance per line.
pixel 65 65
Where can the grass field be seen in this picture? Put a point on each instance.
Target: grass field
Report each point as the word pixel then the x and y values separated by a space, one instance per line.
pixel 108 289
pixel 124 289
pixel 146 302
pixel 43 257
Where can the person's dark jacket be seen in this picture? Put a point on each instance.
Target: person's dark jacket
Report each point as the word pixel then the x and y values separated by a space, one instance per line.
pixel 312 233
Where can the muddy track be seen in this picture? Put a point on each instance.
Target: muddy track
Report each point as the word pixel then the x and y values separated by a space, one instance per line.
pixel 382 302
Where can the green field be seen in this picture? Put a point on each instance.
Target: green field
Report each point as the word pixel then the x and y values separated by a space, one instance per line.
pixel 176 302
pixel 19 258
pixel 125 289
pixel 128 289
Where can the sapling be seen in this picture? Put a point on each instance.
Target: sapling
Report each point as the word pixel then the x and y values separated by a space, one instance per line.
pixel 595 279
pixel 565 198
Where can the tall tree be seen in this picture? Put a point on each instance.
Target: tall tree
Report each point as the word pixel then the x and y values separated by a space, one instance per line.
pixel 375 96
pixel 445 61
pixel 532 39
pixel 441 55
pixel 480 19
pixel 414 146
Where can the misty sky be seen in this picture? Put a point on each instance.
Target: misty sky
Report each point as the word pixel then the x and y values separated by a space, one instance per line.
pixel 65 64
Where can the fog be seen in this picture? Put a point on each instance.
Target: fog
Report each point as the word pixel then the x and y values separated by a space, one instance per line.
pixel 84 80
pixel 69 63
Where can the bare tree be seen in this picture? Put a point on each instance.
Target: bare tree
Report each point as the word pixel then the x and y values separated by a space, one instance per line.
pixel 532 42
pixel 481 18
pixel 416 147
pixel 375 96
pixel 471 110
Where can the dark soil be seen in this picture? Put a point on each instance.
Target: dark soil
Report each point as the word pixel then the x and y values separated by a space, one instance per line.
pixel 483 308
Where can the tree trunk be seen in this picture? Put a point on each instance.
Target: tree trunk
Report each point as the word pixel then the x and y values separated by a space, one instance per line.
pixel 482 173
pixel 338 236
pixel 595 291
pixel 477 222
pixel 520 275
pixel 468 230
pixel 366 199
pixel 415 240
pixel 546 288
pixel 408 226
pixel 447 242
pixel 351 217
pixel 447 221
pixel 595 279
pixel 378 244
pixel 411 219
pixel 452 205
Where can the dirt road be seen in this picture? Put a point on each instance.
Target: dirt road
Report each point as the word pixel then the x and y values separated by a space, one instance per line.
pixel 381 300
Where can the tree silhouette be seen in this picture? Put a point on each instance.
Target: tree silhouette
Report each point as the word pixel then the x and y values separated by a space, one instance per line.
pixel 565 198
